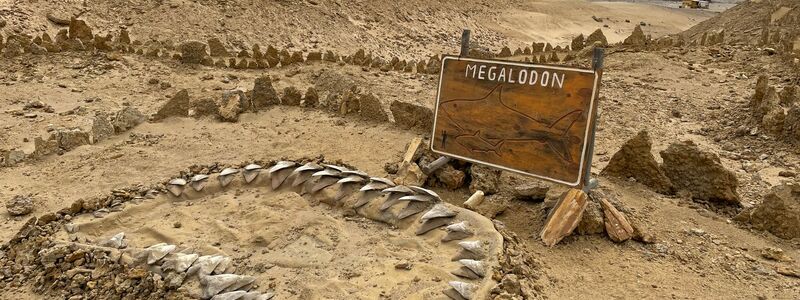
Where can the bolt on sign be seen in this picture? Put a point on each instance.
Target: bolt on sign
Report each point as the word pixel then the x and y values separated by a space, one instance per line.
pixel 532 119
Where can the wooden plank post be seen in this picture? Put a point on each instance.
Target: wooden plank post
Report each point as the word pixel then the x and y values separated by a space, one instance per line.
pixel 443 160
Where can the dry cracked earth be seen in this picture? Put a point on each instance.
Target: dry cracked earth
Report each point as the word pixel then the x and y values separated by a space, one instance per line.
pixel 121 120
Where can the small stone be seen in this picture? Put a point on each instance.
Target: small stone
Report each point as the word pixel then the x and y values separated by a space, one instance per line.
pixel 404 265
pixel 20 205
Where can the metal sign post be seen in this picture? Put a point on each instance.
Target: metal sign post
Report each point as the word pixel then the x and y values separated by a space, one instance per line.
pixel 597 65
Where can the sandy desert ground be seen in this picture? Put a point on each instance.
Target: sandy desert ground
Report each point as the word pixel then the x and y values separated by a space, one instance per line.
pixel 92 137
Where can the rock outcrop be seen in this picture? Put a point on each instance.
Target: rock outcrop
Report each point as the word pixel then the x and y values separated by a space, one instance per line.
pixel 635 160
pixel 778 213
pixel 699 173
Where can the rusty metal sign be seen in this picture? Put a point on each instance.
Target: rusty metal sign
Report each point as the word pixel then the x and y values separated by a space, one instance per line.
pixel 532 119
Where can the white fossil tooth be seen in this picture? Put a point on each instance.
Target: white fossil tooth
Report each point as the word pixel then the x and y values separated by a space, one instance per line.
pixel 391 200
pixel 240 283
pixel 471 250
pixel 356 173
pixel 351 179
pixel 226 176
pixel 223 265
pixel 176 186
pixel 438 211
pixel 117 241
pixel 204 265
pixel 374 186
pixel 199 181
pixel 230 295
pixel 425 191
pixel 323 182
pixel 472 246
pixel 303 173
pixel 457 231
pixel 464 289
pixel 214 284
pixel 432 224
pixel 385 181
pixel 279 177
pixel 417 198
pixel 180 262
pixel 281 165
pixel 412 208
pixel 399 189
pixel 327 172
pixel 366 197
pixel 335 167
pixel 250 172
pixel 475 266
pixel 158 251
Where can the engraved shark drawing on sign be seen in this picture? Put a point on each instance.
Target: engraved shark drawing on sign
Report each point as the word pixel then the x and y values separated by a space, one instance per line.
pixel 485 124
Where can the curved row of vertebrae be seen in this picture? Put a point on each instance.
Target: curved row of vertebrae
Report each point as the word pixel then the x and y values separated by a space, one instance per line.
pixel 373 197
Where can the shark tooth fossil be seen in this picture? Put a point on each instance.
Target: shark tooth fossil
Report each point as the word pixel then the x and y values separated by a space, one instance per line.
pixel 117 241
pixel 335 167
pixel 425 191
pixel 470 250
pixel 432 224
pixel 395 193
pixel 214 284
pixel 198 181
pixel 241 283
pixel 457 231
pixel 229 295
pixel 176 186
pixel 226 176
pixel 179 262
pixel 385 181
pixel 465 290
pixel 412 208
pixel 250 172
pixel 204 265
pixel 366 197
pixel 438 211
pixel 356 173
pixel 472 269
pixel 347 186
pixel 158 251
pixel 303 173
pixel 223 265
pixel 325 178
pixel 417 198
pixel 279 172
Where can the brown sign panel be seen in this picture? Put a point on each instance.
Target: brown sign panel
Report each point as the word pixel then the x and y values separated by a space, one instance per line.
pixel 527 118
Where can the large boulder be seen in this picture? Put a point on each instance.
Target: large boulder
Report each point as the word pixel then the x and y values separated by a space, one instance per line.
pixel 216 48
pixel 637 38
pixel 699 173
pixel 291 96
pixel 264 94
pixel 193 52
pixel 127 118
pixel 578 42
pixel 635 160
pixel 778 213
pixel 597 36
pixel 231 105
pixel 177 106
pixel 408 115
pixel 370 108
pixel 79 30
